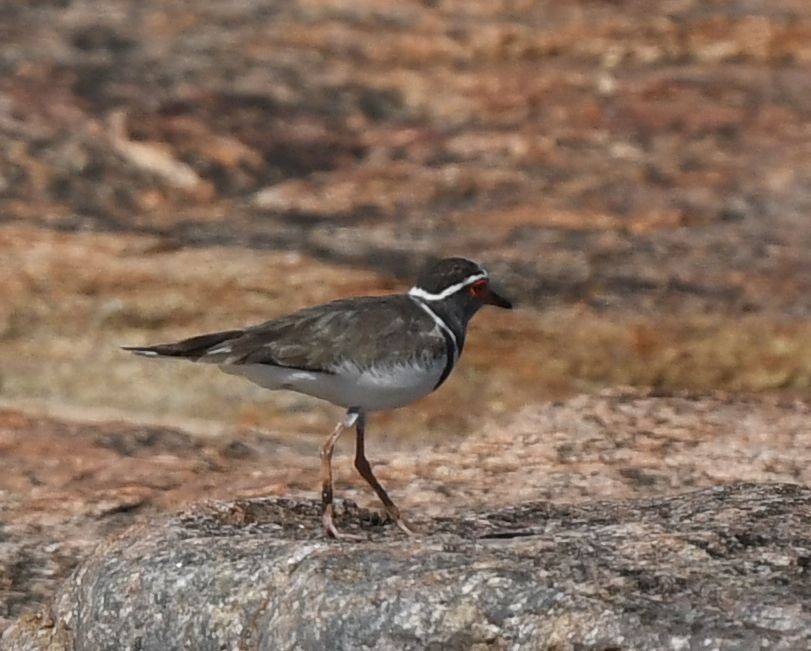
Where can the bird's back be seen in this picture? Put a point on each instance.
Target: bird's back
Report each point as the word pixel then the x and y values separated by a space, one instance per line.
pixel 371 352
pixel 367 332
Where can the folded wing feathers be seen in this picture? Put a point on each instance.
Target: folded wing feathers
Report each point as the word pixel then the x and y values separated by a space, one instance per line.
pixel 194 348
pixel 319 339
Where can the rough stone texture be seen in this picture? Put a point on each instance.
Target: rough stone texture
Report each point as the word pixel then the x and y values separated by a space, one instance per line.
pixel 726 567
pixel 637 175
pixel 68 485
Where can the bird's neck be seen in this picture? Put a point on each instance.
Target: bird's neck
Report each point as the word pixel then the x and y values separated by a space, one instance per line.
pixel 452 315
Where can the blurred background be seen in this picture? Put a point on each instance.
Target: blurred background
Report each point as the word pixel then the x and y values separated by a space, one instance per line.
pixel 636 175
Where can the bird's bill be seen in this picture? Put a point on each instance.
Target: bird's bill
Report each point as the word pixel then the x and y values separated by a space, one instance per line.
pixel 490 297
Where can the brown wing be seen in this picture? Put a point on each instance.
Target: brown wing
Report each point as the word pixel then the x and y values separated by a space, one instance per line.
pixel 193 348
pixel 362 331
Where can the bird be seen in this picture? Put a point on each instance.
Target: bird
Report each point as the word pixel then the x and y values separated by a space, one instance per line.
pixel 364 354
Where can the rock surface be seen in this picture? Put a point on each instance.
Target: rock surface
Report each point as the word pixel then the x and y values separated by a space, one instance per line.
pixel 725 567
pixel 66 486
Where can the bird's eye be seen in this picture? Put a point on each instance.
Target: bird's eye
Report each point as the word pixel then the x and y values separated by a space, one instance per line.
pixel 478 288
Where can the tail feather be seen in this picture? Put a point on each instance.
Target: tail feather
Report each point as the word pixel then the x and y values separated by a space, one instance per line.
pixel 193 348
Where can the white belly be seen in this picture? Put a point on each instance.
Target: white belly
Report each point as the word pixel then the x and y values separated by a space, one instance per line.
pixel 371 389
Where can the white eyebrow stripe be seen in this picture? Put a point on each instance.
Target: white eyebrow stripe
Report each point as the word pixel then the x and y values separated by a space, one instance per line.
pixel 419 292
pixel 442 326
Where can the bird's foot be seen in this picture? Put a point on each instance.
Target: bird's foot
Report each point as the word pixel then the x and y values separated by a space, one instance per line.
pixel 332 532
pixel 404 528
pixel 399 522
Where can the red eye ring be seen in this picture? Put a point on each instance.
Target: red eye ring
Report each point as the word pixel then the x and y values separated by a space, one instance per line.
pixel 478 288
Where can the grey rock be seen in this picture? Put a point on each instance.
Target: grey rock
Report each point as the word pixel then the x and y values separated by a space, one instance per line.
pixel 727 567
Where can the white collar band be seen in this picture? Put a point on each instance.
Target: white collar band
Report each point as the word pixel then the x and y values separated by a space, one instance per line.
pixel 419 292
pixel 442 326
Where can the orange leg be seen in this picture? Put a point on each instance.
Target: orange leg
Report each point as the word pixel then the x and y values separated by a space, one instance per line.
pixel 365 470
pixel 326 473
